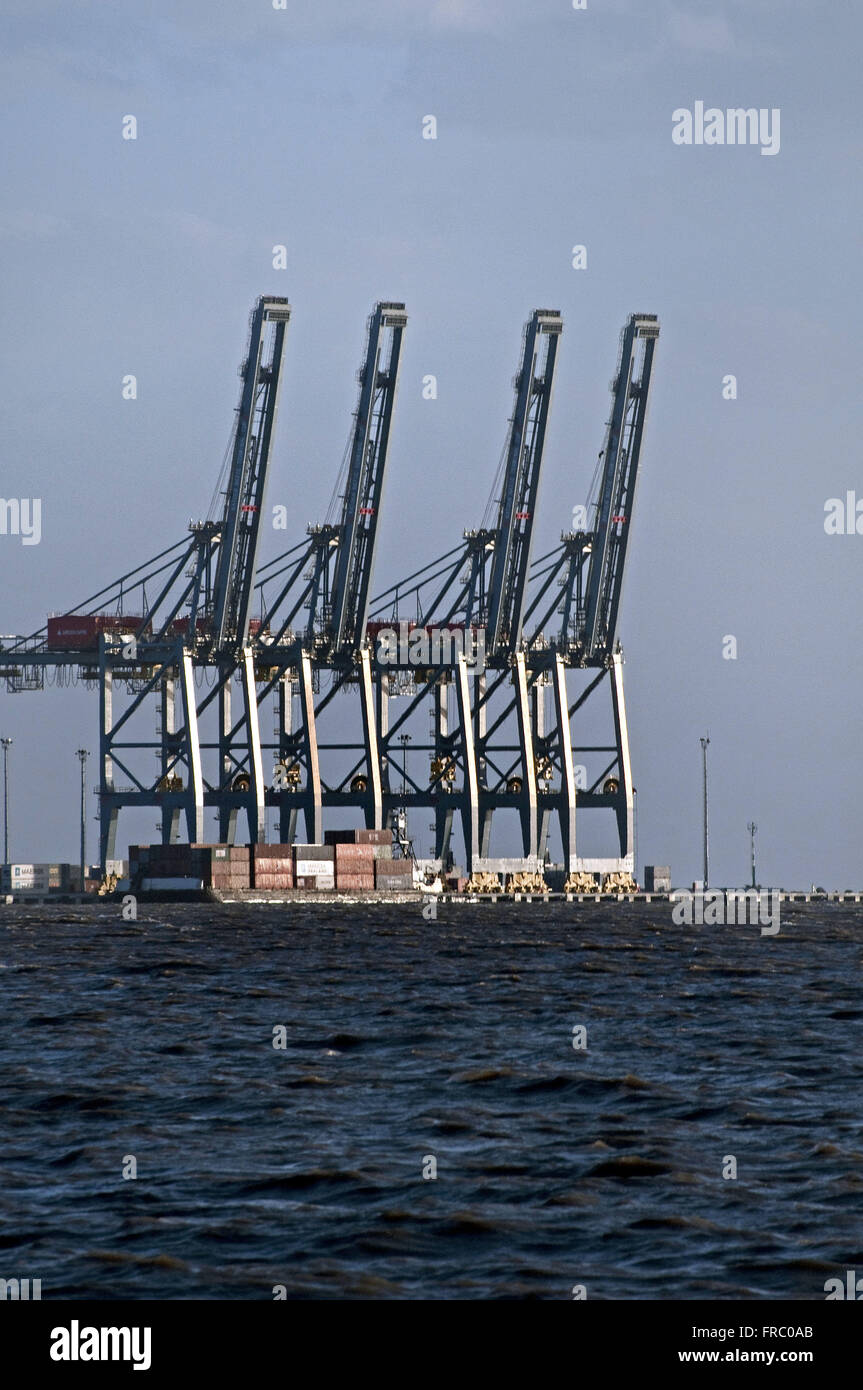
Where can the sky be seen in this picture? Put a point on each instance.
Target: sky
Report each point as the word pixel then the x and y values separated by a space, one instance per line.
pixel 303 127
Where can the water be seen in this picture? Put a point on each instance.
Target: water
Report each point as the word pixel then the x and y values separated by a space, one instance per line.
pixel 409 1040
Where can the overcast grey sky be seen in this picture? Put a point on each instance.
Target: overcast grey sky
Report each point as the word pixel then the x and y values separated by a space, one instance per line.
pixel 303 126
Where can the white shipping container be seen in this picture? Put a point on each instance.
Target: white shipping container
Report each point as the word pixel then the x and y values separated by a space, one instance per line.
pixel 313 868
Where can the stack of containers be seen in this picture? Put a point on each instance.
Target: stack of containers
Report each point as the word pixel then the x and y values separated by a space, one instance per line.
pixel 394 874
pixel 37 878
pixel 228 868
pixel 272 866
pixel 357 856
pixel 355 868
pixel 225 867
pixel 314 866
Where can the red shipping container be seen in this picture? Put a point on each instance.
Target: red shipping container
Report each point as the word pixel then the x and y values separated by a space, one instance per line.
pixel 374 837
pixel 394 868
pixel 80 631
pixel 355 883
pixel 266 867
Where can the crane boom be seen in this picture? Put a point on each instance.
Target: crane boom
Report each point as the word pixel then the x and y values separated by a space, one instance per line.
pixel 631 393
pixel 247 480
pixel 366 472
pixel 520 492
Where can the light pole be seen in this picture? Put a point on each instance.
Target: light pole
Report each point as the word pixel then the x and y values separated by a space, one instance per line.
pixel 752 828
pixel 83 755
pixel 7 744
pixel 704 742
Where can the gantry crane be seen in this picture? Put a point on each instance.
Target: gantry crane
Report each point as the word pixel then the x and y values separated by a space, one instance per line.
pixel 340 558
pixel 189 616
pixel 588 569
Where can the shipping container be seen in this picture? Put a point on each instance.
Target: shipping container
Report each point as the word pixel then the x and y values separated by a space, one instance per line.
pixel 307 852
pixel 359 836
pixel 312 867
pixel 346 854
pixel 374 837
pixel 394 868
pixel 393 883
pixel 355 883
pixel 80 631
pixel 266 870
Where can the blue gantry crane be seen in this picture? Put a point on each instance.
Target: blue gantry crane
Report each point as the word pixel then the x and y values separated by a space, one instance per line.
pixel 203 617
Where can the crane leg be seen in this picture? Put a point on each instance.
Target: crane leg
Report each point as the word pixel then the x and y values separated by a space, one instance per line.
pixel 442 807
pixel 170 813
pixel 374 796
pixel 566 796
pixel 312 803
pixel 287 806
pixel 528 809
pixel 195 793
pixel 470 793
pixel 227 812
pixel 257 811
pixel 108 811
pixel 624 800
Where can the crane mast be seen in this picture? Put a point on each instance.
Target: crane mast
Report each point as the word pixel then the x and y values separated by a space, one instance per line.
pixel 349 600
pixel 520 493
pixel 247 480
pixel 631 393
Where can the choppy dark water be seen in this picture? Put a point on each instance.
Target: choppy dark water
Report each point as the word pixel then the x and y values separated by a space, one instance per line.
pixel 405 1039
